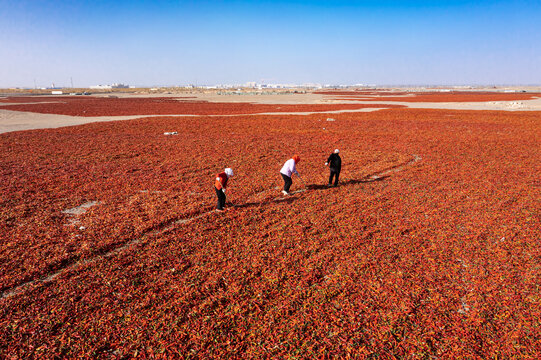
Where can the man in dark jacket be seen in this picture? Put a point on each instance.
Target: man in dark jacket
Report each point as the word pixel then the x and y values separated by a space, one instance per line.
pixel 335 165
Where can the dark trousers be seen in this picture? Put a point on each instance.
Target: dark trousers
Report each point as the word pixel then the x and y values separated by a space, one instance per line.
pixel 335 174
pixel 221 199
pixel 287 182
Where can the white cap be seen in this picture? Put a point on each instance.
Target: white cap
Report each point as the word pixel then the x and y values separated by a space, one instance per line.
pixel 336 151
pixel 229 172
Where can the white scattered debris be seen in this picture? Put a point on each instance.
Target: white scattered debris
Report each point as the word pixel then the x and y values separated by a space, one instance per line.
pixel 330 119
pixel 462 262
pixel 170 133
pixel 464 308
pixel 509 104
pixel 516 104
pixel 81 228
pixel 81 209
pixel 76 211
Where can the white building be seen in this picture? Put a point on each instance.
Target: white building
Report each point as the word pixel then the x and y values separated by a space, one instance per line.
pixel 102 87
pixel 109 87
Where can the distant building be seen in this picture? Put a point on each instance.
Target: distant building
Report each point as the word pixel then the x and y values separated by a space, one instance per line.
pixel 102 87
pixel 109 87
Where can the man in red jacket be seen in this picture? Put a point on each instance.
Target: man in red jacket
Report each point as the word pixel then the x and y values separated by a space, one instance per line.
pixel 220 185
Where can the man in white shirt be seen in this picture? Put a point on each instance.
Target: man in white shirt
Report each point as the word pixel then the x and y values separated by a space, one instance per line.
pixel 289 169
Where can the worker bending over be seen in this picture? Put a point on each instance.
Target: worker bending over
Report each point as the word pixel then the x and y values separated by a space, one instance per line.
pixel 220 185
pixel 289 169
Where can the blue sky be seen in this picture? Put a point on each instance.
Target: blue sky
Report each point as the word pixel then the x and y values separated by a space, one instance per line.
pixel 163 42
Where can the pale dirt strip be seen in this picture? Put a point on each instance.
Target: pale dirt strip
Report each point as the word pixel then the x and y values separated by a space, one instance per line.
pixel 32 103
pixel 516 105
pixel 18 120
pixel 170 225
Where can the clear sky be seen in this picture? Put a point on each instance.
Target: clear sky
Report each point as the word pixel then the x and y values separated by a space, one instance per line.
pixel 162 42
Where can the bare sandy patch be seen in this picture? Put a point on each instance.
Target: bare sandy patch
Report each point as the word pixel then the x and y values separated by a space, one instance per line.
pixel 247 97
pixel 18 120
pixel 31 103
pixel 516 105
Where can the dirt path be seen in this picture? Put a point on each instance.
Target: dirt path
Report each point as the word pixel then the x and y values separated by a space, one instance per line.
pixel 18 120
pixel 516 105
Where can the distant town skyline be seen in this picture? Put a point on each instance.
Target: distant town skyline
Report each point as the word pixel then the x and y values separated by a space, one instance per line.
pixel 170 43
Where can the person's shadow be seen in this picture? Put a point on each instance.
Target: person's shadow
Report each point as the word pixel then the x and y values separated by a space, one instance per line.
pixel 366 179
pixel 291 198
pixel 281 200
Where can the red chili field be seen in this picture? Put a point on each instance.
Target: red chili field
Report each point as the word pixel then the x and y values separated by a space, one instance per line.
pixel 100 106
pixel 429 248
